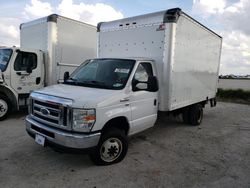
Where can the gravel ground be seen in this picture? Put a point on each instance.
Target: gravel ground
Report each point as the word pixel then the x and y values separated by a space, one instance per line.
pixel 215 154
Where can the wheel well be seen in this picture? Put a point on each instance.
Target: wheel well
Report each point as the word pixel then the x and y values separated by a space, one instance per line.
pixel 203 103
pixel 181 110
pixel 119 123
pixel 9 94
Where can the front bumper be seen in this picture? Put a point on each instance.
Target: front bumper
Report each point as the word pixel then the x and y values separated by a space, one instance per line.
pixel 62 138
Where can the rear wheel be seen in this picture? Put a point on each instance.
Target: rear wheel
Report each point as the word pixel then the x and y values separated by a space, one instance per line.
pixel 4 107
pixel 112 147
pixel 196 114
pixel 186 115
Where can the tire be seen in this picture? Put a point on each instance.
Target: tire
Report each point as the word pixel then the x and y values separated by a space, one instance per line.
pixel 112 147
pixel 196 114
pixel 5 107
pixel 186 115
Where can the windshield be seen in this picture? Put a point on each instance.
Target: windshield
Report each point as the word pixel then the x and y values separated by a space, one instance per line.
pixel 102 73
pixel 5 55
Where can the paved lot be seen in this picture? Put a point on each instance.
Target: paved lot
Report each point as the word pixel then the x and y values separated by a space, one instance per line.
pixel 216 154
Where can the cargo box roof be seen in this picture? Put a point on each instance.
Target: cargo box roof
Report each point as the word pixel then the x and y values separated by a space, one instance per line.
pixel 50 18
pixel 167 16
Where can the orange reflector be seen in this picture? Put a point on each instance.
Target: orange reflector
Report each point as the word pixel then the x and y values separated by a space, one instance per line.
pixel 89 118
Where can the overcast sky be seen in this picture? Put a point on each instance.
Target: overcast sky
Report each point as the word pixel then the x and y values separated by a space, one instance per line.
pixel 229 18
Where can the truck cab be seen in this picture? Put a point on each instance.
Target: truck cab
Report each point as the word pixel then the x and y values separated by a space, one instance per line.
pixel 21 71
pixel 116 94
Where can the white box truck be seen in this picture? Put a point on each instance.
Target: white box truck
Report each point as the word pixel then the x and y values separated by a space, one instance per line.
pixel 164 61
pixel 49 46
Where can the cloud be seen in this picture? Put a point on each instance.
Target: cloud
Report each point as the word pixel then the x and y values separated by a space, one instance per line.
pixel 9 32
pixel 233 16
pixel 37 9
pixel 206 7
pixel 236 16
pixel 234 20
pixel 235 53
pixel 90 13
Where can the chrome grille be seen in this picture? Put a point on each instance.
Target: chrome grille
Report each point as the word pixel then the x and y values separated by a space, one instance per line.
pixel 49 113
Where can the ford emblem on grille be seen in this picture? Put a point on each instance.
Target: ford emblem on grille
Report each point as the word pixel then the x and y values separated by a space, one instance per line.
pixel 45 111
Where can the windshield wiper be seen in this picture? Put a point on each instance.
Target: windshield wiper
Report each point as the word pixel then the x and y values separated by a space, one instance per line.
pixel 96 83
pixel 89 83
pixel 71 81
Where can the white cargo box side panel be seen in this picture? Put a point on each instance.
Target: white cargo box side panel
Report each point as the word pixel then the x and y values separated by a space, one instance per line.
pixel 144 42
pixel 40 34
pixel 195 64
pixel 133 37
pixel 76 42
pixel 34 35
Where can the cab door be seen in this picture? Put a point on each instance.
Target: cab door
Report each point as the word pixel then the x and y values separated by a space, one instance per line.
pixel 143 103
pixel 27 72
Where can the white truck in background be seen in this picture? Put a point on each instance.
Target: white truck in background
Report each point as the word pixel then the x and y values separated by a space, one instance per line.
pixel 49 46
pixel 164 61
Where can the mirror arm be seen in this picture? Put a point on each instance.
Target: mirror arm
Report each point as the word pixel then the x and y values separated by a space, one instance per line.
pixel 66 76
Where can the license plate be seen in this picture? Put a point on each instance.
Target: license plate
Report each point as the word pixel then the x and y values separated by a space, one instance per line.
pixel 40 139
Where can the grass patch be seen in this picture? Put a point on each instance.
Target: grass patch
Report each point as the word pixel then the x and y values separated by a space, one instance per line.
pixel 237 95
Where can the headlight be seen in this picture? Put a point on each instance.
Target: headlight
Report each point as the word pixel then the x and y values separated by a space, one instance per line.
pixel 83 119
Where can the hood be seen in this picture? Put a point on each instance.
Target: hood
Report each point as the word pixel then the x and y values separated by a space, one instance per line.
pixel 84 97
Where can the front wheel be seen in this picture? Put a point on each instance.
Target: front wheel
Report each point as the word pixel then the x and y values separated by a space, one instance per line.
pixel 112 147
pixel 4 107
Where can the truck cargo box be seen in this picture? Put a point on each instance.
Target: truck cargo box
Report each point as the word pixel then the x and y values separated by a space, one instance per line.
pixel 66 43
pixel 186 53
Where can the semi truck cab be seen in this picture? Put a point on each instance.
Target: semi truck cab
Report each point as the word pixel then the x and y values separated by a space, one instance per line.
pixel 22 71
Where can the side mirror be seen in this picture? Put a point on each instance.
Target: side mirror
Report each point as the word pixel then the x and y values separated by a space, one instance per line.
pixel 29 69
pixel 66 76
pixel 152 84
pixel 134 84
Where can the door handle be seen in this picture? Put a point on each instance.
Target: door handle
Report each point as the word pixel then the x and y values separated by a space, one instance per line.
pixel 124 100
pixel 22 73
pixel 155 102
pixel 38 80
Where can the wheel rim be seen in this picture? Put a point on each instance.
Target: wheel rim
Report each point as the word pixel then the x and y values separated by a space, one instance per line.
pixel 200 114
pixel 111 149
pixel 3 108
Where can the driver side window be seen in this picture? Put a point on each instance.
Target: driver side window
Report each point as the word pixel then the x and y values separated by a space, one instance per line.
pixel 25 60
